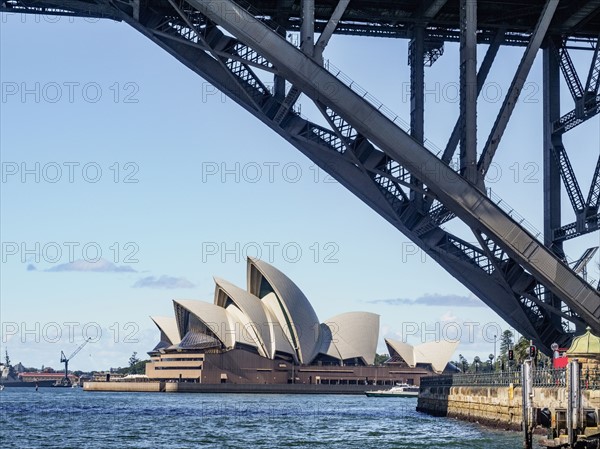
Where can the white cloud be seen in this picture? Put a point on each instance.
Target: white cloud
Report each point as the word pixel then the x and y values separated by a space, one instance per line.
pixel 163 281
pixel 433 300
pixel 101 266
pixel 448 316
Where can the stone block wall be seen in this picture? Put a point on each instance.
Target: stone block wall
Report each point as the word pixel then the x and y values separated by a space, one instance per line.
pixel 499 407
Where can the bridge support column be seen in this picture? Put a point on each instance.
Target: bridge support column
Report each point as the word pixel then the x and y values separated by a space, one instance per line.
pixel 552 183
pixel 307 32
pixel 417 96
pixel 468 90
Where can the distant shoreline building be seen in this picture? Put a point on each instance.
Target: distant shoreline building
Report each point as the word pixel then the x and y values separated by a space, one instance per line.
pixel 269 333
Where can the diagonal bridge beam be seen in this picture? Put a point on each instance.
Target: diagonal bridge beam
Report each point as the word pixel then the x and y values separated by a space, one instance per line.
pixel 468 203
pixel 375 165
pixel 510 101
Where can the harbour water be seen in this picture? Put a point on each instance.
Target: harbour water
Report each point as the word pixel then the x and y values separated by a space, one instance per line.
pixel 72 418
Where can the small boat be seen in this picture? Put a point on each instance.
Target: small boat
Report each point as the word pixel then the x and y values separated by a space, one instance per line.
pixel 1 387
pixel 398 390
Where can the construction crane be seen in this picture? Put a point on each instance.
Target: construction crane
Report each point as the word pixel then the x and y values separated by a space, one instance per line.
pixel 65 360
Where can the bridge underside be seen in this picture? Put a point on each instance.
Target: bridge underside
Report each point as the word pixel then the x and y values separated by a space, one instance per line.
pixel 395 19
pixel 237 46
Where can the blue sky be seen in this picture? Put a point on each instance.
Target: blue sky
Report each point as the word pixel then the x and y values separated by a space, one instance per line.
pixel 141 161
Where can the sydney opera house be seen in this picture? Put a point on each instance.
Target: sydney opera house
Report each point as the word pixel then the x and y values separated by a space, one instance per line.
pixel 269 333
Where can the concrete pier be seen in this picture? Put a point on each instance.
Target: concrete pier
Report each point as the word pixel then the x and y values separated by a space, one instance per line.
pixel 183 387
pixel 153 387
pixel 191 387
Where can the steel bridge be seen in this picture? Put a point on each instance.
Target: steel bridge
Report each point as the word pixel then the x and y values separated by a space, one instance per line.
pixel 237 44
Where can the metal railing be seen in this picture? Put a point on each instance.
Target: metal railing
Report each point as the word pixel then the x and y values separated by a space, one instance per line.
pixel 590 379
pixel 538 235
pixel 550 378
pixel 503 378
pixel 542 378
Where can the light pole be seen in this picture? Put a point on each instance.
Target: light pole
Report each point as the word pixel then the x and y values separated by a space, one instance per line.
pixel 554 347
pixel 495 337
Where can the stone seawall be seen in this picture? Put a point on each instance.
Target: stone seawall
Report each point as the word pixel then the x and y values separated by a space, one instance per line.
pixel 495 406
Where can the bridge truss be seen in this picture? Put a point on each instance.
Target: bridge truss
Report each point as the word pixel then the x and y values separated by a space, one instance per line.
pixel 236 45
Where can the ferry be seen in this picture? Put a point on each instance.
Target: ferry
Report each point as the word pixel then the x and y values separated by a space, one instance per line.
pixel 398 390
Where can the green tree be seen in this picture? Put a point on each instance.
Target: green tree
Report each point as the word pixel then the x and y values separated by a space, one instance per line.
pixel 138 368
pixel 506 342
pixel 381 358
pixel 521 349
pixel 463 363
pixel 133 359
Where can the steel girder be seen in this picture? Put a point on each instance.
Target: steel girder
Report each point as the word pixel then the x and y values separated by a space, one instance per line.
pixel 375 159
pixel 73 8
pixel 468 91
pixel 482 74
pixel 378 157
pixel 587 105
pixel 510 101
pixel 587 100
pixel 380 19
